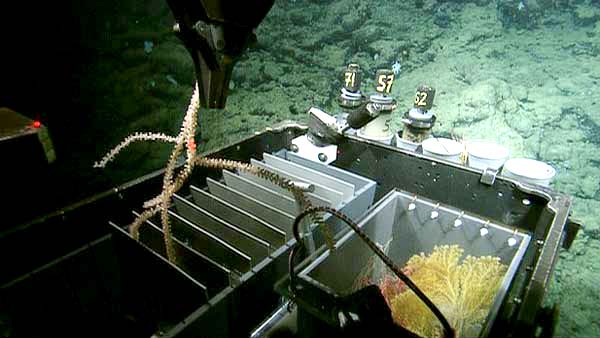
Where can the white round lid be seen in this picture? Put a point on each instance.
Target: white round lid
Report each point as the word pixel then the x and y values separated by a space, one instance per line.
pixel 442 146
pixel 487 150
pixel 529 168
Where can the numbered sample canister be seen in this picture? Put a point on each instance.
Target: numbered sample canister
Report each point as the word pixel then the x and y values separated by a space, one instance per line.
pixel 444 148
pixel 529 171
pixel 486 154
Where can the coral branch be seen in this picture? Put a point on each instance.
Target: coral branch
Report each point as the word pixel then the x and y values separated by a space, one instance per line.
pixel 187 133
pixel 143 217
pixel 184 142
pixel 463 292
pixel 130 139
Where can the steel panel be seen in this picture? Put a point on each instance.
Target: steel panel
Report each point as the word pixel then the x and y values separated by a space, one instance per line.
pixel 242 240
pixel 231 211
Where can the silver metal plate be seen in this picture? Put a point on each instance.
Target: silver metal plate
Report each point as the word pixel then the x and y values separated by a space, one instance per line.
pixel 228 211
pixel 359 182
pixel 241 239
pixel 313 198
pixel 312 176
pixel 209 245
pixel 328 193
pixel 260 192
pixel 282 221
pixel 213 276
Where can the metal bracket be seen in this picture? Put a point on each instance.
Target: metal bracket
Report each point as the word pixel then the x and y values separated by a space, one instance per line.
pixel 573 227
pixel 489 176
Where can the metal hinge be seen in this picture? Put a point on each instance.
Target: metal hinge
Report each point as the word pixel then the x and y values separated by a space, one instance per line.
pixel 489 176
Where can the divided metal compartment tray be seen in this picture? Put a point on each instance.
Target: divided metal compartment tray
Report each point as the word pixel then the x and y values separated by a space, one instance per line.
pixel 405 225
pixel 235 244
pixel 108 287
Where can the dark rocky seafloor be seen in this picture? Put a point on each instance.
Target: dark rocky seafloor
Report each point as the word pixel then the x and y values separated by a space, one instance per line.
pixel 524 73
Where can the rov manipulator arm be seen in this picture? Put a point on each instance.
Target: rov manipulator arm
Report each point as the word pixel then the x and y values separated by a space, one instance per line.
pixel 216 33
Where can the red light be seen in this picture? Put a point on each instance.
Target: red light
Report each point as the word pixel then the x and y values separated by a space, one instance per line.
pixel 37 124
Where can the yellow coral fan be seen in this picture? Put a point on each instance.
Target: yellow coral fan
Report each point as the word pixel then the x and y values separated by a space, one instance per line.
pixel 463 292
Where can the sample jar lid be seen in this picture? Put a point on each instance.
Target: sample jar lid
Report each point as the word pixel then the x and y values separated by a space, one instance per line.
pixel 442 146
pixel 529 168
pixel 487 150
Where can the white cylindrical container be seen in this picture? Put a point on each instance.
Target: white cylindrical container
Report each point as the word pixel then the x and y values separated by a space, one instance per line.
pixel 444 148
pixel 529 171
pixel 484 154
pixel 378 130
pixel 405 144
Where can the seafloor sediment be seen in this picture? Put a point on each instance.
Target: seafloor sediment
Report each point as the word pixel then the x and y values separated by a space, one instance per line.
pixel 525 74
